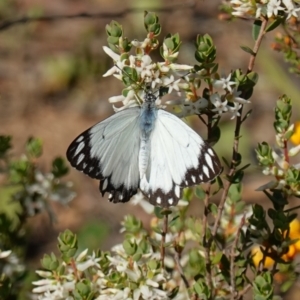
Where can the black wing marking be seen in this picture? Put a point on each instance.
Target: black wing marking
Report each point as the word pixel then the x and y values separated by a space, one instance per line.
pixel 179 158
pixel 108 151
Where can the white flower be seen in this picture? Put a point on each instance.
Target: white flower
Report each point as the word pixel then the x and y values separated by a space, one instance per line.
pixel 280 160
pixel 220 106
pixel 82 255
pixel 149 293
pixel 291 9
pixel 120 263
pixel 128 101
pixel 91 262
pixel 53 289
pixel 146 68
pixel 139 199
pixel 224 83
pixel 134 273
pixel 116 99
pixel 261 9
pixel 171 83
pixel 44 274
pixel 234 110
pixel 273 7
pixel 187 107
pixel 241 8
pixel 122 294
pixel 112 54
pixel 294 151
pixel 235 97
pixel 169 237
pixel 4 254
pixel 118 65
pixel 111 71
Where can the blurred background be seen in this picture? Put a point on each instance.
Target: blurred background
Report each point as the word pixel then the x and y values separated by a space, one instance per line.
pixel 51 87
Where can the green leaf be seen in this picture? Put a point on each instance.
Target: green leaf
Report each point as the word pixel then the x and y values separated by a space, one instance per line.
pixel 173 293
pixel 200 193
pixel 247 49
pixel 214 135
pixel 59 167
pixel 130 247
pixel 34 147
pixel 67 244
pixel 213 208
pixel 256 29
pixel 217 258
pixel 247 115
pixel 226 162
pixel 5 144
pixel 274 24
pixel 50 262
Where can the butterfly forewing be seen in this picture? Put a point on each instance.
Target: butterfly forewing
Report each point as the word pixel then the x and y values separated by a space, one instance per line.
pixel 179 158
pixel 109 151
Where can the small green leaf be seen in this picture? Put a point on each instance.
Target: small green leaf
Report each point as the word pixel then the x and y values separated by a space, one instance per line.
pixel 130 247
pixel 200 193
pixel 5 144
pixel 59 167
pixel 34 147
pixel 217 258
pixel 274 24
pixel 247 49
pixel 256 29
pixel 213 208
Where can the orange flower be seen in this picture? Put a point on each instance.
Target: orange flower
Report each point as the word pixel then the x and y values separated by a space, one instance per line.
pixel 295 234
pixel 295 138
pixel 293 250
pixel 258 256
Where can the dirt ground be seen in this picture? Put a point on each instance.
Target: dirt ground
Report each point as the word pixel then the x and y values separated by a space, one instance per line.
pixel 51 86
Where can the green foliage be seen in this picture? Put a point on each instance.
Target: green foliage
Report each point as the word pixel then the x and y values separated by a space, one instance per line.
pixel 230 249
pixel 263 288
pixel 206 50
pixel 151 23
pixel 26 191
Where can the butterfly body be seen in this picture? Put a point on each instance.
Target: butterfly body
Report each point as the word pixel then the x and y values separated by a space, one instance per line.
pixel 144 148
pixel 148 117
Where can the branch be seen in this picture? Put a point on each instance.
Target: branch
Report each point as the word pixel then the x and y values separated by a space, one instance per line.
pixel 232 258
pixel 205 242
pixel 180 270
pixel 97 15
pixel 235 152
pixel 257 44
pixel 244 291
pixel 163 241
pixel 237 131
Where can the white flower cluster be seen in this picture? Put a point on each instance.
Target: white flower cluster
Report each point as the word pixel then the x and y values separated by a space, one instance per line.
pixel 162 75
pixel 149 74
pixel 268 8
pixel 11 265
pixel 135 279
pixel 229 102
pixel 45 187
pixel 281 164
pixel 279 169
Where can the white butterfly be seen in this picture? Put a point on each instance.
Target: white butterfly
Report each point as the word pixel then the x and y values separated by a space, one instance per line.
pixel 144 148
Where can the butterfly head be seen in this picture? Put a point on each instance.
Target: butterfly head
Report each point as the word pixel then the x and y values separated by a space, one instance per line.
pixel 149 97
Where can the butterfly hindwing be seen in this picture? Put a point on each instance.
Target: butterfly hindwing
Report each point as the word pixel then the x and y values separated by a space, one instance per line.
pixel 109 151
pixel 179 158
